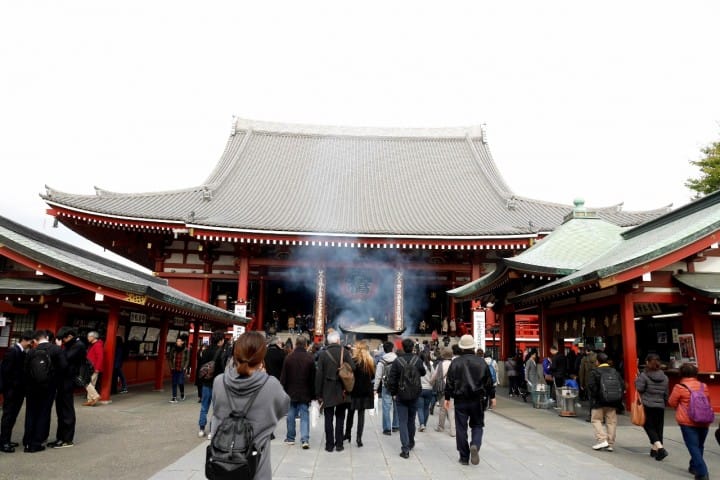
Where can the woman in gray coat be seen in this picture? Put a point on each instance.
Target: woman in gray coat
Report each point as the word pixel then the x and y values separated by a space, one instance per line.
pixel 652 385
pixel 531 375
pixel 243 377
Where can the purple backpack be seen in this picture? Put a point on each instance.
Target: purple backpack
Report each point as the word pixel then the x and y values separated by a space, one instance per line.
pixel 700 410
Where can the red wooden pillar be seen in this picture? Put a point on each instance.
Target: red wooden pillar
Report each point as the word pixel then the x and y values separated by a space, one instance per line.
pixel 195 345
pixel 698 322
pixel 162 346
pixel 51 318
pixel 629 345
pixel 260 310
pixel 546 334
pixel 107 377
pixel 507 325
pixel 243 264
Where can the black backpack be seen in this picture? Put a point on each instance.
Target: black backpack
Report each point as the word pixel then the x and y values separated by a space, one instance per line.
pixel 232 453
pixel 611 385
pixel 410 386
pixel 84 373
pixel 39 366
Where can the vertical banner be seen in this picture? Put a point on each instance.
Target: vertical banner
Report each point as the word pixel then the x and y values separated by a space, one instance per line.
pixel 479 329
pixel 398 322
pixel 238 330
pixel 320 304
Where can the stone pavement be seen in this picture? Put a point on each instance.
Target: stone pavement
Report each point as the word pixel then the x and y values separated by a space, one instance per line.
pixel 520 441
pixel 140 435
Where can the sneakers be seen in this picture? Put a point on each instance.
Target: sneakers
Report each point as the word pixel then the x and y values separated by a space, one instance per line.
pixel 601 445
pixel 610 448
pixel 61 444
pixel 463 462
pixel 90 403
pixel 289 442
pixel 305 445
pixel 661 453
pixel 172 400
pixel 124 390
pixel 209 436
pixel 182 398
pixel 405 455
pixel 201 433
pixel 422 428
pixel 474 457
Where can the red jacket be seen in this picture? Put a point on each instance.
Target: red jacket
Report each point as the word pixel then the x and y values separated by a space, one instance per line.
pixel 95 355
pixel 680 401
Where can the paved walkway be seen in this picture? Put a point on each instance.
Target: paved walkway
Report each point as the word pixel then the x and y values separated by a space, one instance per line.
pixel 140 435
pixel 520 441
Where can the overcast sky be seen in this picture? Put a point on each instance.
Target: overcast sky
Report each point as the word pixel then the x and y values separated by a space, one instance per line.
pixel 608 101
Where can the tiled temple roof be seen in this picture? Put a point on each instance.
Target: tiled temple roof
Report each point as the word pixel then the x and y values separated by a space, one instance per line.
pixel 294 179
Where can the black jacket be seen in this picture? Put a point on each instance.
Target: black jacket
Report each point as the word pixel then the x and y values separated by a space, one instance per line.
pixel 75 353
pixel 457 383
pixel 298 376
pixel 212 354
pixel 13 369
pixel 328 385
pixel 274 358
pixel 396 370
pixel 59 365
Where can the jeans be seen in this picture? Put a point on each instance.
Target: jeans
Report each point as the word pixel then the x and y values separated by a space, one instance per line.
pixel 204 406
pixel 694 438
pixel 298 409
pixel 387 403
pixel 406 417
pixel 178 378
pixel 468 413
pixel 423 406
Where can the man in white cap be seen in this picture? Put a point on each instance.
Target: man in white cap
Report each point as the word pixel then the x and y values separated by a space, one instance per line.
pixel 468 383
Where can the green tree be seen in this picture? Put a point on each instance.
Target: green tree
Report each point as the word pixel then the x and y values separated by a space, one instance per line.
pixel 709 166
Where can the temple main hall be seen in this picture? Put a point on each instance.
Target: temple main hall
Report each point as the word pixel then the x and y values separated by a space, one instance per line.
pixel 305 227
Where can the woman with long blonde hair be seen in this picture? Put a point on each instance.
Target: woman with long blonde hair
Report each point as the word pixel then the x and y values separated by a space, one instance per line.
pixel 361 397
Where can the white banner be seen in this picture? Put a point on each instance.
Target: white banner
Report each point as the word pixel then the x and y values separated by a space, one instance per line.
pixel 479 329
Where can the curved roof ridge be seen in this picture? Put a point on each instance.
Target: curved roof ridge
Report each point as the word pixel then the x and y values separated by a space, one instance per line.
pixel 242 124
pixel 611 208
pixel 51 192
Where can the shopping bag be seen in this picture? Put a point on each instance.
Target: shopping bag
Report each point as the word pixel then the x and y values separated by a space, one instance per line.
pixel 314 413
pixel 637 411
pixel 375 405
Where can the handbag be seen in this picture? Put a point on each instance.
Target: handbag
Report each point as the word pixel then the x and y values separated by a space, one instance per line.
pixel 347 377
pixel 345 373
pixel 637 411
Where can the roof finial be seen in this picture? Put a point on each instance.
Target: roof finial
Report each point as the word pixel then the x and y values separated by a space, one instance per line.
pixel 483 131
pixel 233 127
pixel 579 204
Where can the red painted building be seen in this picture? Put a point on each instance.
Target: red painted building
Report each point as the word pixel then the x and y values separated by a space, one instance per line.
pixel 47 284
pixel 653 288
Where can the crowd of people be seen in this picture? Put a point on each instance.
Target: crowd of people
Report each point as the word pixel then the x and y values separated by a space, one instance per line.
pixel 405 381
pixel 43 369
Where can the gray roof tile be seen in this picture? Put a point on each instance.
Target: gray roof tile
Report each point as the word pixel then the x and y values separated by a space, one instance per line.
pixel 100 271
pixel 347 181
